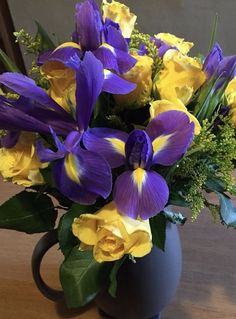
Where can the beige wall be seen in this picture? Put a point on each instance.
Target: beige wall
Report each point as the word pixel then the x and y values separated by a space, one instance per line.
pixel 191 19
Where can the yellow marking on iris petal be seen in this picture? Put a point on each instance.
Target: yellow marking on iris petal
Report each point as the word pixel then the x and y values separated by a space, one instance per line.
pixel 71 168
pixel 117 144
pixel 68 44
pixel 160 143
pixel 139 177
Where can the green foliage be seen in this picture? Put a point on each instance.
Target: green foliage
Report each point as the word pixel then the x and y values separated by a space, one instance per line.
pixel 113 276
pixel 44 40
pixel 208 165
pixel 67 240
pixel 35 45
pixel 32 45
pixel 158 227
pixel 175 218
pixel 28 212
pixel 138 38
pixel 8 63
pixel 227 210
pixel 82 277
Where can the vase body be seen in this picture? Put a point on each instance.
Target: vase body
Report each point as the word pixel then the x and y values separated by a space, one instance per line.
pixel 144 288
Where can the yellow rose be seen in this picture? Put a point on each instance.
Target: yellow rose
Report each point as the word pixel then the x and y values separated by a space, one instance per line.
pixel 112 235
pixel 141 74
pixel 160 106
pixel 180 77
pixel 62 80
pixel 180 44
pixel 120 13
pixel 20 163
pixel 230 94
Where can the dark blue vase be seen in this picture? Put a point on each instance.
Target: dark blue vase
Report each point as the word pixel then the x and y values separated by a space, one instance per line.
pixel 144 288
pixel 147 286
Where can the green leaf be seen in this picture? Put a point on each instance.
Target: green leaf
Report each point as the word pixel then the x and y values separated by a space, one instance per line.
pixel 82 277
pixel 213 33
pixel 8 63
pixel 158 227
pixel 65 236
pixel 227 210
pixel 113 276
pixel 175 218
pixel 45 41
pixel 28 212
pixel 177 200
pixel 215 184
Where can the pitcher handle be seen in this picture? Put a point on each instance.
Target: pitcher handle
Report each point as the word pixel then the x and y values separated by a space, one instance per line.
pixel 44 244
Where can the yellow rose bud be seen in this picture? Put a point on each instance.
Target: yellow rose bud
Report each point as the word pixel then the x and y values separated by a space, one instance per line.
pixel 62 80
pixel 230 94
pixel 62 83
pixel 160 106
pixel 180 77
pixel 141 74
pixel 120 13
pixel 112 235
pixel 180 44
pixel 20 163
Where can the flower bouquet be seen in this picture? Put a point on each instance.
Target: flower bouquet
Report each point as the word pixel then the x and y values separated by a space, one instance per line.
pixel 109 132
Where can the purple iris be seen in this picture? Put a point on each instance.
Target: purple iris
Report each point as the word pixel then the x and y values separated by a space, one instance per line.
pixel 103 38
pixel 36 111
pixel 140 191
pixel 79 174
pixel 219 66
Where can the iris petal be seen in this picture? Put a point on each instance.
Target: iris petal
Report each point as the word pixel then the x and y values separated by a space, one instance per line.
pixel 140 193
pixel 26 87
pixel 171 134
pixel 116 85
pixel 69 188
pixel 109 143
pixel 89 82
pixel 88 25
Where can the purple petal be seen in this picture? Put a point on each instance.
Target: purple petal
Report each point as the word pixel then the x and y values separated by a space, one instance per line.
pixel 10 140
pixel 12 118
pixel 73 140
pixel 171 134
pixel 26 87
pixel 213 60
pixel 138 150
pixel 114 37
pixel 89 25
pixel 69 188
pixel 162 46
pixel 89 82
pixel 43 57
pixel 109 143
pixel 107 57
pixel 226 67
pixel 83 176
pixel 116 85
pixel 114 59
pixel 61 55
pixel 94 171
pixel 47 155
pixel 140 193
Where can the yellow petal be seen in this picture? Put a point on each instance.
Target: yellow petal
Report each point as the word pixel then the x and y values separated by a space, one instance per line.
pixel 180 77
pixel 140 74
pixel 119 13
pixel 180 44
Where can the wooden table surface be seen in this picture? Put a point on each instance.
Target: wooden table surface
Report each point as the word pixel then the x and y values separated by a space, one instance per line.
pixel 207 289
